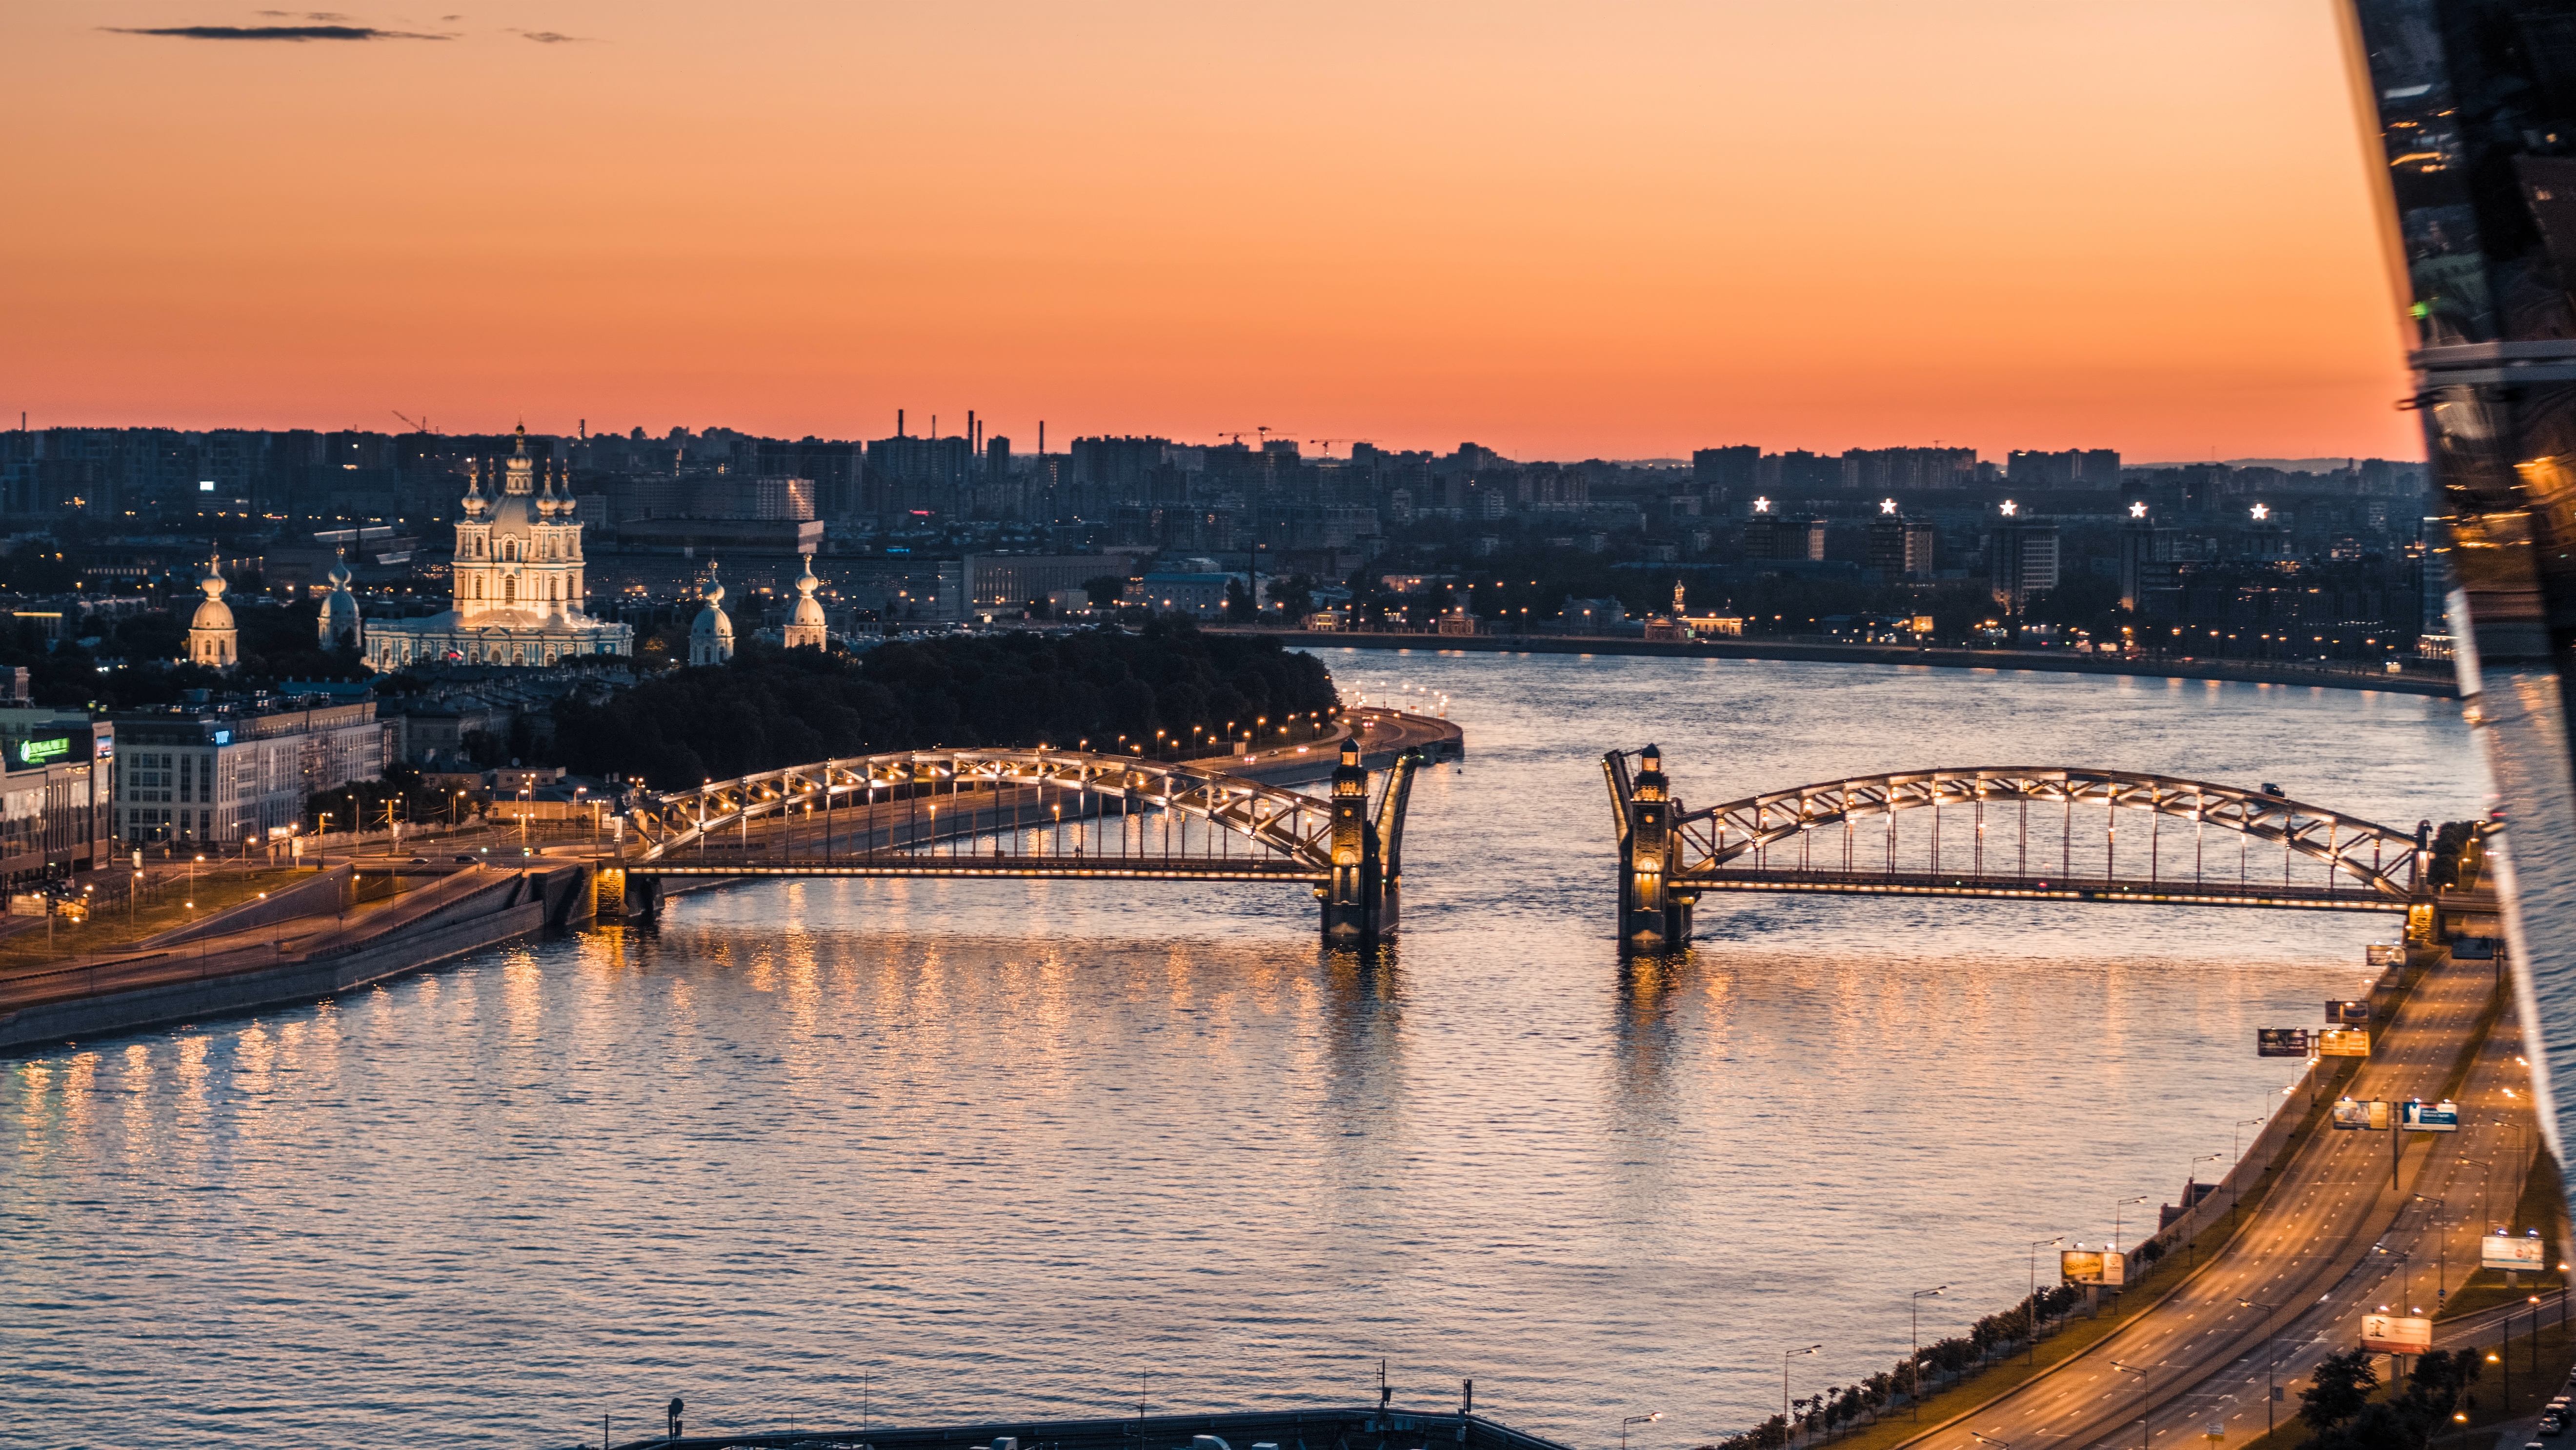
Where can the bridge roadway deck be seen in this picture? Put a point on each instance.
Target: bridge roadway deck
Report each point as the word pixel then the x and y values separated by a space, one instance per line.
pixel 2024 888
pixel 2306 1250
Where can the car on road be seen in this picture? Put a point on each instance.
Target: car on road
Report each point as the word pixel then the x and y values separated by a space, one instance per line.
pixel 468 860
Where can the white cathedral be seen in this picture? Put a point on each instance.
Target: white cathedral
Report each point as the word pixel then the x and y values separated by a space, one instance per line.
pixel 518 584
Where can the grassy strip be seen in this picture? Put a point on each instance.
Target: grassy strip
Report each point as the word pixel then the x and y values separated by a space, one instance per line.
pixel 2543 1206
pixel 163 906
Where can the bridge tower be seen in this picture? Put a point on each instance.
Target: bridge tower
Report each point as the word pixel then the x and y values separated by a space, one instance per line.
pixel 1653 916
pixel 1353 896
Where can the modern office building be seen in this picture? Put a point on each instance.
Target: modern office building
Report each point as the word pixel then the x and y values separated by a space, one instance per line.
pixel 2475 102
pixel 1771 537
pixel 1007 582
pixel 56 771
pixel 2021 562
pixel 237 769
pixel 1901 549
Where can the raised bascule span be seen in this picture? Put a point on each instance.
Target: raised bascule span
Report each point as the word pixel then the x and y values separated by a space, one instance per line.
pixel 1043 814
pixel 2022 833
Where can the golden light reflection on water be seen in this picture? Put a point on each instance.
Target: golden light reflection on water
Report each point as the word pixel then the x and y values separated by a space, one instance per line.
pixel 1000 1145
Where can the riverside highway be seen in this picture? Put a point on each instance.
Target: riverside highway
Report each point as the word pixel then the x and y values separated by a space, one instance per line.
pixel 2319 1251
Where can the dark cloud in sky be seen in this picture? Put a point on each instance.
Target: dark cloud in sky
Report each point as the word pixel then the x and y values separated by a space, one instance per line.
pixel 273 32
pixel 554 37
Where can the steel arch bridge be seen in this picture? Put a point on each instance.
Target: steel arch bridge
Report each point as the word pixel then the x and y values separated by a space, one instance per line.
pixel 1040 814
pixel 2052 833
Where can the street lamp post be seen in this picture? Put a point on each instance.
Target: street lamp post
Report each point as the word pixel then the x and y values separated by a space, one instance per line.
pixel 2190 1240
pixel 2236 1175
pixel 2145 1434
pixel 2271 1358
pixel 1635 1420
pixel 1787 1355
pixel 2030 1306
pixel 1914 1365
pixel 2441 1251
pixel 2118 1204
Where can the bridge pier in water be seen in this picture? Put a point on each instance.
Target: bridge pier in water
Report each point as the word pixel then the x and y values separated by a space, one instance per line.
pixel 1361 897
pixel 1654 912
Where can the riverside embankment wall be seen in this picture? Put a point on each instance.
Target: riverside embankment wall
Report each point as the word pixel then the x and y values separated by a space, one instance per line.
pixel 512 906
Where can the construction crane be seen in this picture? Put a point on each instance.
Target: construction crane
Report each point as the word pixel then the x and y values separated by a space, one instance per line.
pixel 421 426
pixel 1327 443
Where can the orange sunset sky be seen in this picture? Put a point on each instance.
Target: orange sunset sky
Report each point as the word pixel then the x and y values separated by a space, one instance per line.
pixel 1560 230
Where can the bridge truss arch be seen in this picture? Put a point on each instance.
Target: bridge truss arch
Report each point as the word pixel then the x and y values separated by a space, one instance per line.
pixel 2366 864
pixel 1288 832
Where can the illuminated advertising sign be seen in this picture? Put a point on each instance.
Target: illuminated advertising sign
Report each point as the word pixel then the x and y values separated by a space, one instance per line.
pixel 2280 1042
pixel 2092 1266
pixel 2361 1113
pixel 2396 1334
pixel 106 744
pixel 2343 1042
pixel 40 752
pixel 2424 1117
pixel 2501 1251
pixel 2385 954
pixel 2348 1011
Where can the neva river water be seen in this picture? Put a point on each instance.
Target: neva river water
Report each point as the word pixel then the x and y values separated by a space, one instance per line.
pixel 981 1150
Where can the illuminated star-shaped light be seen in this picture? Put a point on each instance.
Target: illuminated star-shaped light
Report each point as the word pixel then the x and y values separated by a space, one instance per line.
pixel 2262 512
pixel 1762 505
pixel 1887 505
pixel 2137 510
pixel 2010 508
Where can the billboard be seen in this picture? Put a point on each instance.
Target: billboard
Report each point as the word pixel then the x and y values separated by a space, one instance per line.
pixel 2361 1113
pixel 39 752
pixel 2348 1010
pixel 2385 954
pixel 2424 1117
pixel 2343 1042
pixel 2396 1334
pixel 2499 1251
pixel 2093 1266
pixel 2280 1042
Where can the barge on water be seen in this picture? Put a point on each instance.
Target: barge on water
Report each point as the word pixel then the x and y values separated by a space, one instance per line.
pixel 1364 1429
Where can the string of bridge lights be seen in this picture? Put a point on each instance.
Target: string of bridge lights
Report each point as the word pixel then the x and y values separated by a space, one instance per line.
pixel 2010 509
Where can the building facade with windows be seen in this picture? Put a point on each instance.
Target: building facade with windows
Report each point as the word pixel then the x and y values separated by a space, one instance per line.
pixel 56 771
pixel 518 579
pixel 225 773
